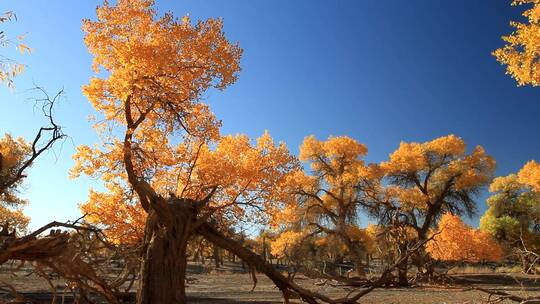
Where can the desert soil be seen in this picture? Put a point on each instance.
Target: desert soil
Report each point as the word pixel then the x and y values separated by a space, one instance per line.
pixel 233 287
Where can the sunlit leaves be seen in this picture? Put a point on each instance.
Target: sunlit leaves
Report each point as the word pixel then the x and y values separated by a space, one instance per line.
pixel 430 172
pixel 457 241
pixel 246 174
pixel 325 200
pixel 521 52
pixel 14 152
pixel 530 175
pixel 286 242
pixel 9 68
pixel 163 65
pixel 514 208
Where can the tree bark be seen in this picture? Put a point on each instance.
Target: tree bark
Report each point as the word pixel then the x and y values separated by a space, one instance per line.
pixel 403 266
pixel 164 257
pixel 402 274
pixel 359 267
pixel 526 264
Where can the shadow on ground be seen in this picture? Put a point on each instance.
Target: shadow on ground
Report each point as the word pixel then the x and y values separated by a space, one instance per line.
pixel 207 300
pixel 499 279
pixel 47 298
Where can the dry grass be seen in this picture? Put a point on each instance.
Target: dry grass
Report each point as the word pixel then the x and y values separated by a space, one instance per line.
pixel 473 269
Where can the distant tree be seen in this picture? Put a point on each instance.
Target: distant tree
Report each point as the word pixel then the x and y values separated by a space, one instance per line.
pixel 513 214
pixel 459 242
pixel 326 201
pixel 521 53
pixel 422 181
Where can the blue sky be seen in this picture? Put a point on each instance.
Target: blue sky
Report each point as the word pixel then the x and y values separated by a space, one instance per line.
pixel 378 71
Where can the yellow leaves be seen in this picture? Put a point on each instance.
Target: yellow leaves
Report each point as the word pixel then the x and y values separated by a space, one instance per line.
pixel 286 241
pixel 159 62
pixel 365 236
pixel 335 147
pixel 288 215
pixel 9 68
pixel 122 218
pixel 522 49
pixel 13 151
pixel 530 175
pixel 413 157
pixel 23 48
pixel 15 218
pixel 246 174
pixel 474 169
pixel 504 184
pixel 409 198
pixel 240 169
pixel 450 145
pixel 513 206
pixel 527 177
pixel 338 159
pixel 459 242
pixel 155 72
pixel 425 172
pixel 97 163
pixel 343 146
pixel 409 157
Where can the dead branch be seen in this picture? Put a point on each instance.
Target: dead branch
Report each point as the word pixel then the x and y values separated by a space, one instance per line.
pixel 287 287
pixel 51 131
pixel 64 254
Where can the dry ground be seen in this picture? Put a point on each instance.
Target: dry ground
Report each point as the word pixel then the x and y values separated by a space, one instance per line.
pixel 233 287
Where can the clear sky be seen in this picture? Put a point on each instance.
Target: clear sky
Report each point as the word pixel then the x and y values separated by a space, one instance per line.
pixel 378 71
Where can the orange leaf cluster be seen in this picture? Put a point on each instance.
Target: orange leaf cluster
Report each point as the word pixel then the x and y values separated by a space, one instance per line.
pixel 522 49
pixel 460 242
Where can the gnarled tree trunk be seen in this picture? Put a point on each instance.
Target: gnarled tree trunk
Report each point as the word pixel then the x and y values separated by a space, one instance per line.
pixel 403 266
pixel 164 261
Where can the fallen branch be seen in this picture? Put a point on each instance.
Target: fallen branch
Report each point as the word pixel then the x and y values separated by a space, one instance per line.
pixel 501 296
pixel 287 287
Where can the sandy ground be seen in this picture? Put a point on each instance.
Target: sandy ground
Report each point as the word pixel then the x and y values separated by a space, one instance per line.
pixel 233 287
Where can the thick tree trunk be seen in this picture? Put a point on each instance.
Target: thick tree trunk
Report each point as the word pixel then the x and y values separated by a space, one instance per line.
pixel 402 274
pixel 359 267
pixel 403 267
pixel 216 256
pixel 163 268
pixel 422 260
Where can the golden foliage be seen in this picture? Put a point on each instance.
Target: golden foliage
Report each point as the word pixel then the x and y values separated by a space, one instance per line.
pixel 325 201
pixel 514 208
pixel 246 174
pixel 460 242
pixel 423 173
pixel 286 242
pixel 151 72
pixel 13 154
pixel 161 66
pixel 9 68
pixel 117 211
pixel 530 175
pixel 521 52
